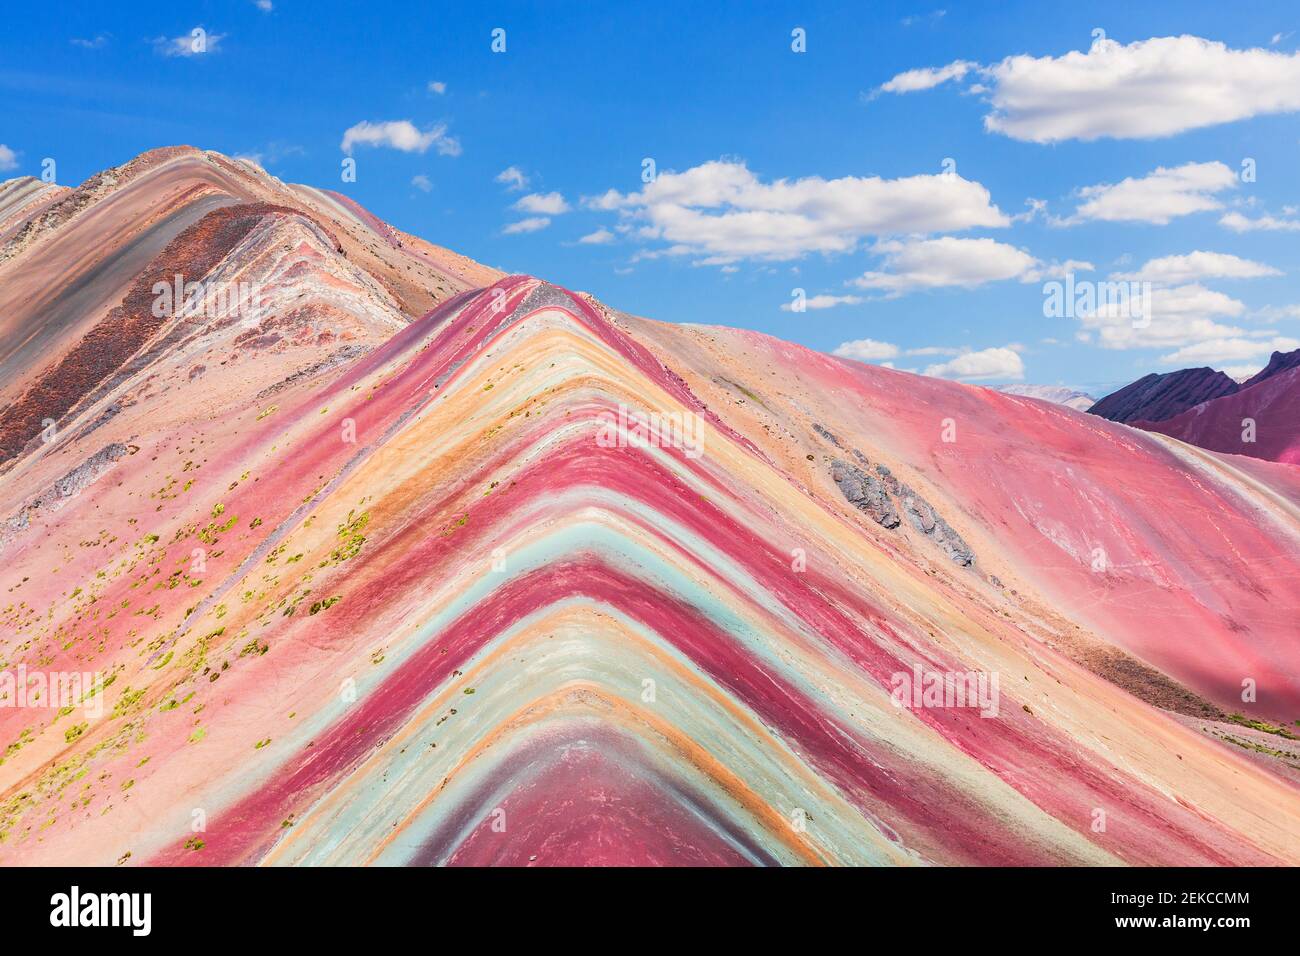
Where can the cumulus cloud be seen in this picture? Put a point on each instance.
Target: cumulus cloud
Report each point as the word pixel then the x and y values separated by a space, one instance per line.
pixel 547 204
pixel 986 363
pixel 437 87
pixel 1175 317
pixel 723 212
pixel 866 350
pixel 823 302
pixel 195 43
pixel 266 6
pixel 1142 90
pixel 947 261
pixel 598 238
pixel 531 224
pixel 1239 223
pixel 1178 270
pixel 422 182
pixel 1157 197
pixel 1231 349
pixel 401 135
pixel 97 42
pixel 1003 362
pixel 8 158
pixel 1271 312
pixel 514 179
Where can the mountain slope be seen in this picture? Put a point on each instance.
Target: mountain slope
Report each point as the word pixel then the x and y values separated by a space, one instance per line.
pixel 441 590
pixel 23 199
pixel 1262 420
pixel 82 251
pixel 1157 397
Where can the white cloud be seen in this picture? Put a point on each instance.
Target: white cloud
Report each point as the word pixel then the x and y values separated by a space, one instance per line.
pixel 1157 197
pixel 866 350
pixel 98 42
pixel 1178 270
pixel 946 261
pixel 928 77
pixel 1272 312
pixel 401 135
pixel 531 224
pixel 1216 351
pixel 421 182
pixel 1175 317
pixel 1143 90
pixel 8 158
pixel 1239 223
pixel 823 302
pixel 195 43
pixel 266 6
pixel 986 363
pixel 1057 270
pixel 514 179
pixel 597 238
pixel 438 87
pixel 608 201
pixel 721 211
pixel 547 204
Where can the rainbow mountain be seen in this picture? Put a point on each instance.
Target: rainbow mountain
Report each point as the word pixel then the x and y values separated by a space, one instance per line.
pixel 387 558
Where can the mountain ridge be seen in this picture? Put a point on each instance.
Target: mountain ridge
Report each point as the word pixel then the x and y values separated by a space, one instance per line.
pixel 353 605
pixel 1162 395
pixel 1203 410
pixel 1074 398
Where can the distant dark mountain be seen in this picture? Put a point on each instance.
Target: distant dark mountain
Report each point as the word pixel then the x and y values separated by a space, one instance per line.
pixel 1157 397
pixel 1262 421
pixel 1280 362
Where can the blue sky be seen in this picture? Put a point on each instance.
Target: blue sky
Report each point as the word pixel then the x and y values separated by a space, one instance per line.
pixel 777 170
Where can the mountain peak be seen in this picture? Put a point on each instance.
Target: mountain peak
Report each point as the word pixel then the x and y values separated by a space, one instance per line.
pixel 374 541
pixel 1158 396
pixel 1278 362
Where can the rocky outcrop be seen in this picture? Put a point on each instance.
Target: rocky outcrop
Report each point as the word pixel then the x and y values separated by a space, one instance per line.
pixel 68 486
pixel 872 496
pixel 827 434
pixel 922 516
pixel 929 522
pixel 865 492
